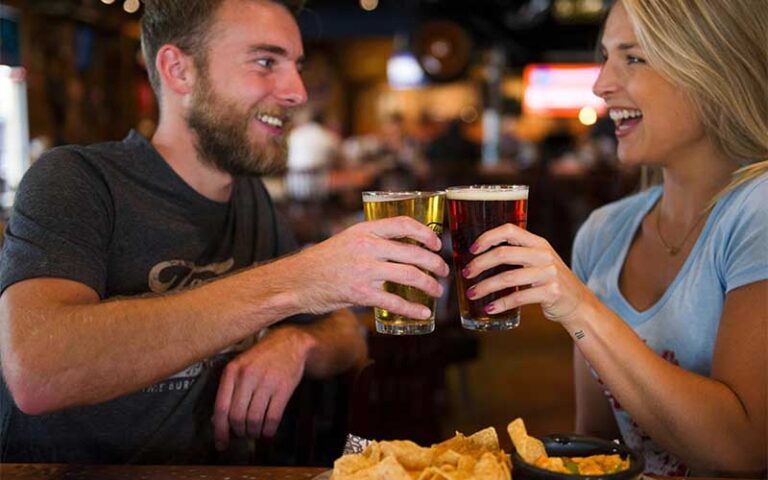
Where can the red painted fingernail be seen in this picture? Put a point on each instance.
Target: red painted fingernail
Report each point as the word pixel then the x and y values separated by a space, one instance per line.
pixel 471 292
pixel 465 272
pixel 474 248
pixel 489 308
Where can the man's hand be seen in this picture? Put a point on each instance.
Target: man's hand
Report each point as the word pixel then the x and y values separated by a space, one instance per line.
pixel 256 386
pixel 350 268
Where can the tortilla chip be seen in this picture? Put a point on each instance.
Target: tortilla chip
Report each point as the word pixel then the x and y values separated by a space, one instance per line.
pixel 529 448
pixel 410 455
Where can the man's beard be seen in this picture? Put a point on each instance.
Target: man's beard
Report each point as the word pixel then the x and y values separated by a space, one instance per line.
pixel 222 134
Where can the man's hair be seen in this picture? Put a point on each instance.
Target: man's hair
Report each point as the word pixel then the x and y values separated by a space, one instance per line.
pixel 186 24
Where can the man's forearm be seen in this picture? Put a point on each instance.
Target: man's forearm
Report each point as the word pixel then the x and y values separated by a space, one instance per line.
pixel 71 349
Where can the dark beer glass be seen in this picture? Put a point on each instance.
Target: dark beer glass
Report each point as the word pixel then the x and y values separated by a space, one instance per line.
pixel 472 211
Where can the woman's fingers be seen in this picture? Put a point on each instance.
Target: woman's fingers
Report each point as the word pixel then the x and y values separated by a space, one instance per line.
pixel 528 296
pixel 507 233
pixel 519 277
pixel 508 255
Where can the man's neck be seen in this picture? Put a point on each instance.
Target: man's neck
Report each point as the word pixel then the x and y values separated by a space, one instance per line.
pixel 176 144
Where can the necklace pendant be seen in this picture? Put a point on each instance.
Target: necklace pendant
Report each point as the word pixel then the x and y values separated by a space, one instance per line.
pixel 673 251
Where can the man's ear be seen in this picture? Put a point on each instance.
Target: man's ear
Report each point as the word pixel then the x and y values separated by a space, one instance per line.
pixel 176 69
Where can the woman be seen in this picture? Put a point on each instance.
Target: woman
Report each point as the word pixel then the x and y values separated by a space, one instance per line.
pixel 667 300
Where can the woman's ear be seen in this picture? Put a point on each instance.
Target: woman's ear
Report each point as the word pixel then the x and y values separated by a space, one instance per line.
pixel 176 69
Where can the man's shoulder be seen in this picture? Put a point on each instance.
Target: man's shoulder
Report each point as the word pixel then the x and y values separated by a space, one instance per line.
pixel 94 155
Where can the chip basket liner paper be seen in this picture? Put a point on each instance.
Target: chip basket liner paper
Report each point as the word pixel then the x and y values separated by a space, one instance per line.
pixel 355 444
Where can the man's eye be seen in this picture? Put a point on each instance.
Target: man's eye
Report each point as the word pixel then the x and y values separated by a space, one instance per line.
pixel 266 62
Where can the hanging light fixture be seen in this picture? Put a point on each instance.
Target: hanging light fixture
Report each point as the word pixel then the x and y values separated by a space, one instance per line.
pixel 403 69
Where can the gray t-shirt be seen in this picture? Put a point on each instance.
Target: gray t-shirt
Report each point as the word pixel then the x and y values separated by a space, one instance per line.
pixel 117 218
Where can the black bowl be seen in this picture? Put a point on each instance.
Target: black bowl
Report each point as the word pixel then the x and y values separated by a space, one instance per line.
pixel 571 445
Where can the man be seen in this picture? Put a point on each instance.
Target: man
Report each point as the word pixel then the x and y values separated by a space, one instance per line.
pixel 115 345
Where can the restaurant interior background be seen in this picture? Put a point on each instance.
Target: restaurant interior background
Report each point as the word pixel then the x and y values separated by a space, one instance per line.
pixel 422 94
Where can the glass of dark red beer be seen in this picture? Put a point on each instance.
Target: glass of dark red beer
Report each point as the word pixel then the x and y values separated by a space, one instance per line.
pixel 472 211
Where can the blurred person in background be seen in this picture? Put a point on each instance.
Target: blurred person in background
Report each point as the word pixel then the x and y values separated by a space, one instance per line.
pixel 667 299
pixel 398 157
pixel 136 274
pixel 452 152
pixel 313 150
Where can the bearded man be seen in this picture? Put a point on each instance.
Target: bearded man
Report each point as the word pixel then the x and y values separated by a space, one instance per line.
pixel 136 275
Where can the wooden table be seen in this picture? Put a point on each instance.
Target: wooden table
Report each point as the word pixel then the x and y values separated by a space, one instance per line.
pixel 23 471
pixel 11 471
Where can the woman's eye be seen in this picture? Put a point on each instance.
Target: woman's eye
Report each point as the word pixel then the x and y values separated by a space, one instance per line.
pixel 632 59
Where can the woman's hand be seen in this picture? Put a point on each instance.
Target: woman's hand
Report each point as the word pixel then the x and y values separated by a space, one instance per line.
pixel 544 277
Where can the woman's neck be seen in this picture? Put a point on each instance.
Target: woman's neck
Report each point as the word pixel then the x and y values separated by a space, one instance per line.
pixel 690 183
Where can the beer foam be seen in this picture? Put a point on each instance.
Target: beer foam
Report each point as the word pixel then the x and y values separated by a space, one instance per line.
pixel 488 194
pixel 395 196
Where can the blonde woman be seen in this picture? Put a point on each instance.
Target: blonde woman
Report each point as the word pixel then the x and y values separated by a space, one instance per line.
pixel 667 302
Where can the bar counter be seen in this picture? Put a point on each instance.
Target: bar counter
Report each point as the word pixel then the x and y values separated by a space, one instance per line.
pixel 10 471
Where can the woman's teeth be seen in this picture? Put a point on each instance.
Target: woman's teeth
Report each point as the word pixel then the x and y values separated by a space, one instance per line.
pixel 620 114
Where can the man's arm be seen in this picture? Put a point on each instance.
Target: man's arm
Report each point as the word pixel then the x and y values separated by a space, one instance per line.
pixel 61 347
pixel 257 385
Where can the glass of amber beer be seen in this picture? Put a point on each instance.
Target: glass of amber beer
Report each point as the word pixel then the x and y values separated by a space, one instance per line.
pixel 472 211
pixel 429 209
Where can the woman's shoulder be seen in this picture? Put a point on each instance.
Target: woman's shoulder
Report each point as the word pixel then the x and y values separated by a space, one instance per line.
pixel 751 194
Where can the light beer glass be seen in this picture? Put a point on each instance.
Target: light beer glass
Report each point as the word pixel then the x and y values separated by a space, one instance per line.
pixel 429 209
pixel 472 211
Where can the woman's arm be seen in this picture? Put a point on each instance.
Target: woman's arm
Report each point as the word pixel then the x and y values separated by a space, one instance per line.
pixel 715 423
pixel 594 415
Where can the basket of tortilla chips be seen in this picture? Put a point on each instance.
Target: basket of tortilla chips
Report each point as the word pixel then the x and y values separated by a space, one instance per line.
pixel 477 456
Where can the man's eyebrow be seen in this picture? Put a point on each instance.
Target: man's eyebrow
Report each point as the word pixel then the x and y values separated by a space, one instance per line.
pixel 266 47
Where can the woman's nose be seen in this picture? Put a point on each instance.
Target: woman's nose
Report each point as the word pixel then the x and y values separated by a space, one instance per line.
pixel 605 84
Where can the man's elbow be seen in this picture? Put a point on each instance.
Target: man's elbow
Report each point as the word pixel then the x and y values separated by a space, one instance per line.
pixel 29 395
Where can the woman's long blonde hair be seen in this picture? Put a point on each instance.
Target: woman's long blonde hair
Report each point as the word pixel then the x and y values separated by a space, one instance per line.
pixel 716 50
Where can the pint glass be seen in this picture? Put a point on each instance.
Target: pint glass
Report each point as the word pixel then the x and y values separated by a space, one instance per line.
pixel 429 209
pixel 474 210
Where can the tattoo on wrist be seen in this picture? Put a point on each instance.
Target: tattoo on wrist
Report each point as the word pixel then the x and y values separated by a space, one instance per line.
pixel 579 335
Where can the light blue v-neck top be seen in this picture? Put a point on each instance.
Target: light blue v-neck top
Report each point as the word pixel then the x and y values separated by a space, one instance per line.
pixel 731 251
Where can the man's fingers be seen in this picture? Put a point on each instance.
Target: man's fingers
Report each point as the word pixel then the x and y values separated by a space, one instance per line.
pixel 414 255
pixel 275 411
pixel 398 305
pixel 405 227
pixel 256 412
pixel 413 277
pixel 241 401
pixel 220 418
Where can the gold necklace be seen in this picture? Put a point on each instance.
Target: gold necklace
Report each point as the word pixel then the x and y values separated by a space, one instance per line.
pixel 672 250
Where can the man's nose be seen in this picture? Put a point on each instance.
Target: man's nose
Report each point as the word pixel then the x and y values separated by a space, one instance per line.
pixel 291 89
